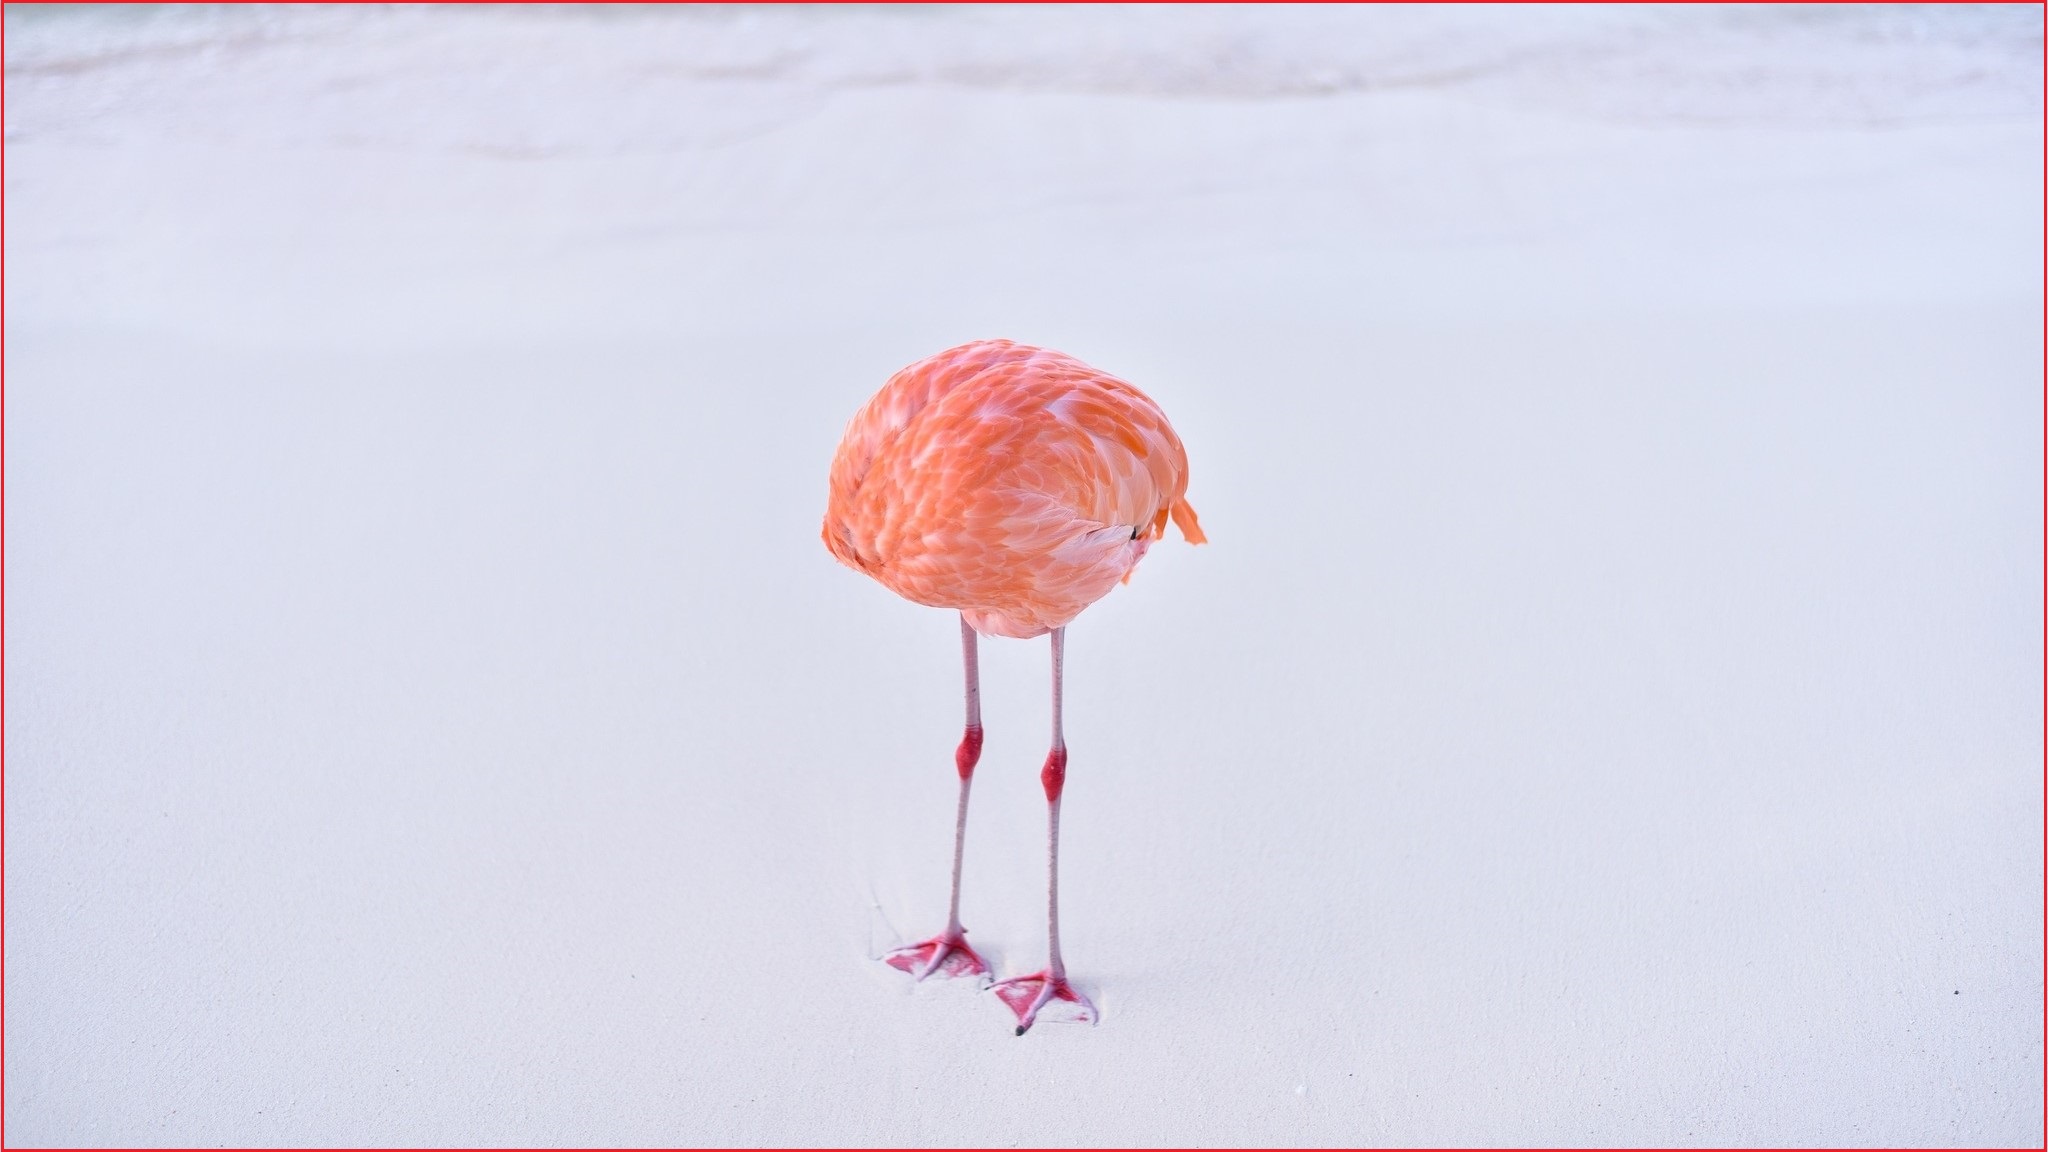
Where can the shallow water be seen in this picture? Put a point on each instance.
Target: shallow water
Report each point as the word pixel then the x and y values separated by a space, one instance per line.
pixel 599 78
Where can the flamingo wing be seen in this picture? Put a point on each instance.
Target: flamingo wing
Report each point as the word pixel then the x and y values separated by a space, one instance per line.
pixel 1012 483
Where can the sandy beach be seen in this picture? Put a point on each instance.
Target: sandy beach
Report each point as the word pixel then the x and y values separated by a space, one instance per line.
pixel 1608 710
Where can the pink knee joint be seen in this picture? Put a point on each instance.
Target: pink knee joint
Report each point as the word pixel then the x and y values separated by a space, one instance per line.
pixel 1054 776
pixel 969 752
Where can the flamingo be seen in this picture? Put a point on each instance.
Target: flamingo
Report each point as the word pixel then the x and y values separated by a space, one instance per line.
pixel 1017 486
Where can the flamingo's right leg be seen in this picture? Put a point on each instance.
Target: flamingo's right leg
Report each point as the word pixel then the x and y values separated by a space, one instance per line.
pixel 948 954
pixel 1047 994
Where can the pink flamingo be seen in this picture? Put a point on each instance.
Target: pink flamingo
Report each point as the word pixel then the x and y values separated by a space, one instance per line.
pixel 1016 485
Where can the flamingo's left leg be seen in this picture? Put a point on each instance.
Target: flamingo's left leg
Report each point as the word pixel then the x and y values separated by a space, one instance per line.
pixel 948 953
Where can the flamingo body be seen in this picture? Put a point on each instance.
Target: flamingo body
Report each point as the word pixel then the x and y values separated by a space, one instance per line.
pixel 1014 484
pixel 1017 486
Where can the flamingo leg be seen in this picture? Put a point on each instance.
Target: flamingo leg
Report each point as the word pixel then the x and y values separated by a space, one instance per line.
pixel 1028 995
pixel 948 954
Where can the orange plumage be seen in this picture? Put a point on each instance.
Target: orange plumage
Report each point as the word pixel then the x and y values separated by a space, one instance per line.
pixel 1015 484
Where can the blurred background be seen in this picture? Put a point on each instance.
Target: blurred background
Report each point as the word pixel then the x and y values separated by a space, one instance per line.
pixel 1609 710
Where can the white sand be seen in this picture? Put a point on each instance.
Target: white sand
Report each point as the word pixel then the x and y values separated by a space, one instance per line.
pixel 1610 711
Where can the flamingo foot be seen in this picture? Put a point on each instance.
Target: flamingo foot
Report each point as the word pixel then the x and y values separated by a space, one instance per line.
pixel 946 956
pixel 1043 996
